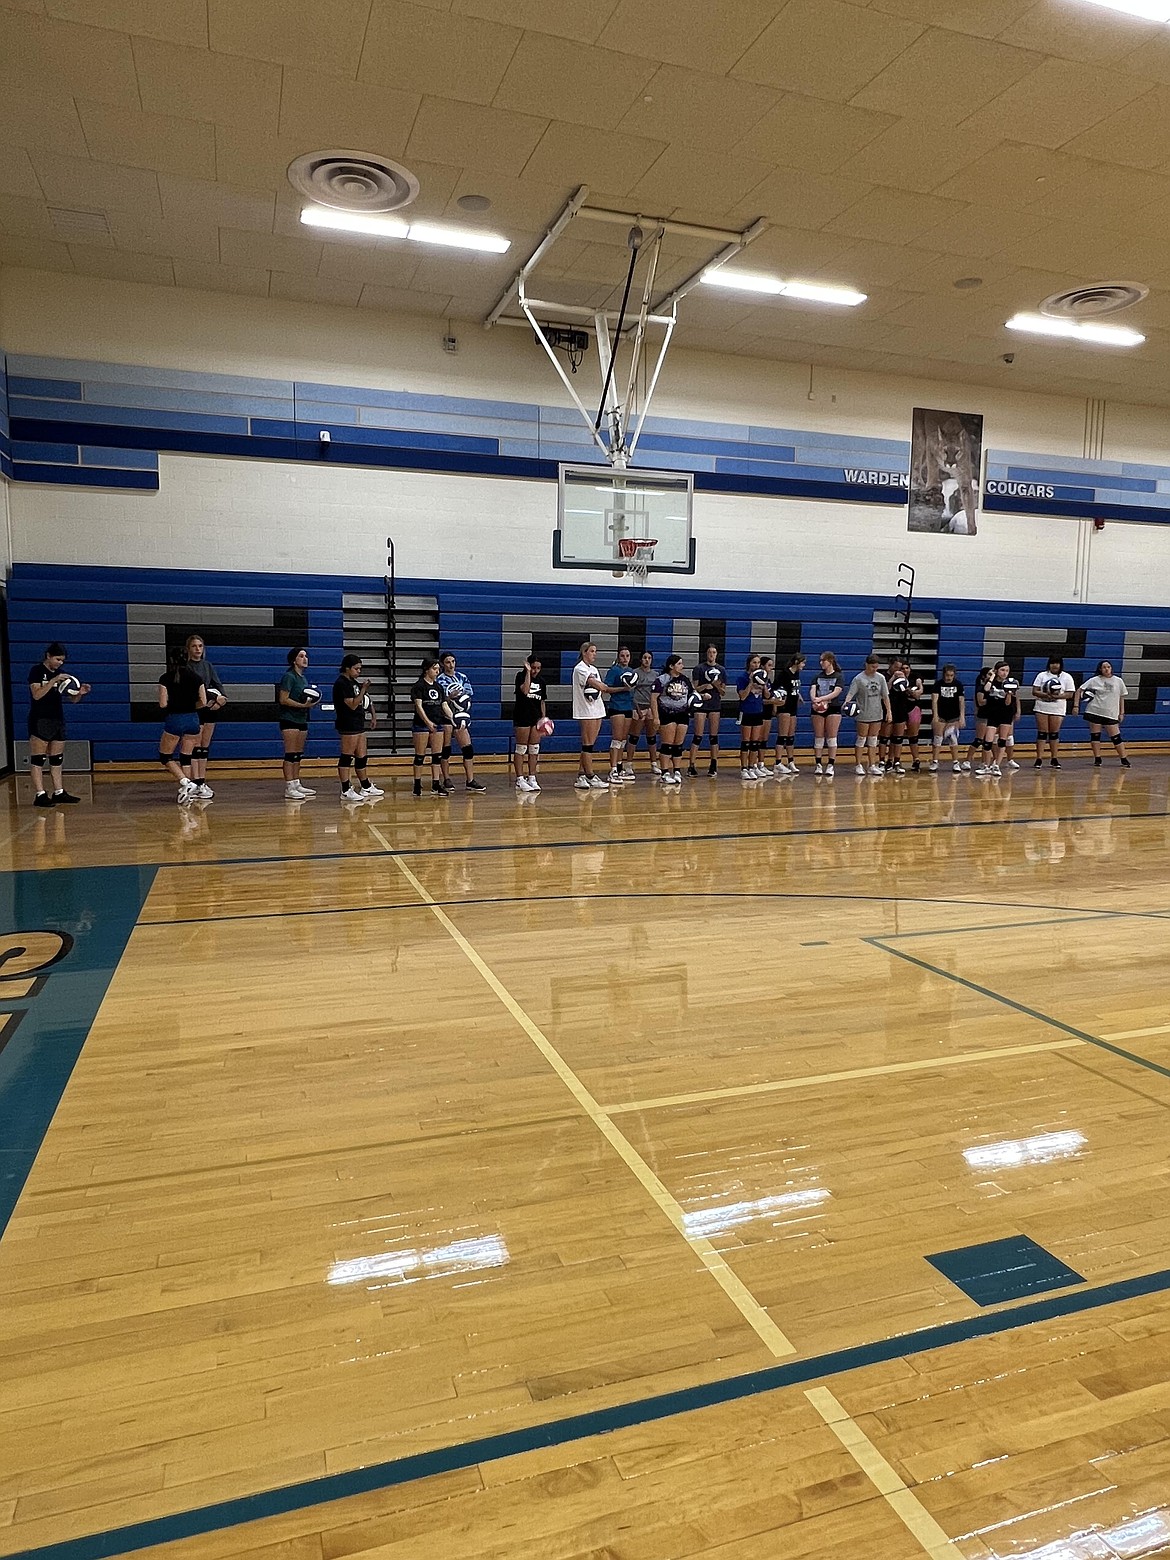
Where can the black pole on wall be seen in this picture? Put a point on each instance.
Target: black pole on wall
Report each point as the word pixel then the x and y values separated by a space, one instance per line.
pixel 392 643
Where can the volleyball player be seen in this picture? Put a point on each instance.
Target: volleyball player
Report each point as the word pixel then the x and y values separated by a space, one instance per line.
pixel 623 679
pixel 1053 688
pixel 458 692
pixel 870 694
pixel 827 696
pixel 670 701
pixel 709 679
pixel 216 699
pixel 975 748
pixel 588 708
pixel 352 712
pixel 904 690
pixel 182 697
pixel 46 724
pixel 294 722
pixel 1106 696
pixel 773 699
pixel 751 687
pixel 431 716
pixel 1000 703
pixel 947 710
pixel 786 717
pixel 642 719
pixel 529 708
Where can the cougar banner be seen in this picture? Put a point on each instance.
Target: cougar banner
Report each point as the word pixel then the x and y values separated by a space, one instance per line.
pixel 946 449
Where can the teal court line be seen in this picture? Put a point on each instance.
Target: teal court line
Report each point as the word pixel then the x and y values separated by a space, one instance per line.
pixel 1020 1007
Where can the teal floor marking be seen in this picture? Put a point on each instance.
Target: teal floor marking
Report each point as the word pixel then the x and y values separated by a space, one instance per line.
pixel 1020 1007
pixel 61 936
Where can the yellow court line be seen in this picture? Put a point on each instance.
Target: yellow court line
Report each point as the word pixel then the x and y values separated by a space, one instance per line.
pixel 904 1503
pixel 843 1077
pixel 1138 1034
pixel 736 1291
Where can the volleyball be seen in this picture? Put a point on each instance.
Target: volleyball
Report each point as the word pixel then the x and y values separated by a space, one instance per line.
pixel 311 695
pixel 545 727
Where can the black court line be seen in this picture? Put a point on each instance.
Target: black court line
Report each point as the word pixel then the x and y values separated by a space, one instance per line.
pixel 1020 1007
pixel 578 1427
pixel 595 840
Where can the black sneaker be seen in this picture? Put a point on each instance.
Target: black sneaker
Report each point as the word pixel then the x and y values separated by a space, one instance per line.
pixel 915 767
pixel 63 796
pixel 43 799
pixel 692 771
pixel 1125 764
pixel 417 789
pixel 476 785
pixel 713 769
pixel 1055 763
pixel 438 790
pixel 1039 764
pixel 1096 763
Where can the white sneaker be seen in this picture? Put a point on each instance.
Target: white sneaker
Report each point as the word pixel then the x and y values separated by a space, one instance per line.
pixel 293 792
pixel 860 769
pixel 829 771
pixel 932 767
pixel 817 769
pixel 372 792
pixel 305 790
pixel 793 768
pixel 876 769
pixel 581 783
pixel 746 774
pixel 994 769
pixel 957 769
pixel 656 769
pixel 765 773
pixel 186 793
pixel 897 769
pixel 598 784
pixel 203 790
pixel 521 782
pixel 980 769
pixel 615 777
pixel 1011 764
pixel 677 778
pixel 965 766
pixel 628 775
pixel 533 783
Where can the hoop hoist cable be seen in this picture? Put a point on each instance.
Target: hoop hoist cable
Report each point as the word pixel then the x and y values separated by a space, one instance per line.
pixel 634 239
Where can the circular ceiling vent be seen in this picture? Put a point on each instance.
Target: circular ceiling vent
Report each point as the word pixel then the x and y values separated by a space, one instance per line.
pixel 352 181
pixel 1087 303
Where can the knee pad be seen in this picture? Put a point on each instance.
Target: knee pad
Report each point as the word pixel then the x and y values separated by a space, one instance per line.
pixel 1116 741
pixel 679 750
pixel 200 752
pixel 469 752
pixel 291 758
pixel 445 754
pixel 38 760
pixel 871 743
pixel 419 760
pixel 831 744
pixel 165 759
pixel 521 749
pixel 586 747
pixel 533 750
pixel 184 760
pixel 344 760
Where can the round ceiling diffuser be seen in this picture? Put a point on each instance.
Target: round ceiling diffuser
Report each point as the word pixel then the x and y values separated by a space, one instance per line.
pixel 352 181
pixel 1087 303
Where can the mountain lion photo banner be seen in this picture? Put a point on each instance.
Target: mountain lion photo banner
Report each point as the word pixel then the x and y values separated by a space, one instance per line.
pixel 946 453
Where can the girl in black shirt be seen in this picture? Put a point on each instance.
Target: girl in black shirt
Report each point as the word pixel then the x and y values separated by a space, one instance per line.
pixel 352 712
pixel 529 709
pixel 197 660
pixel 431 714
pixel 182 697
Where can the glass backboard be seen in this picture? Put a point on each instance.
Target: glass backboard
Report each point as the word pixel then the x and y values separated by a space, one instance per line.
pixel 598 507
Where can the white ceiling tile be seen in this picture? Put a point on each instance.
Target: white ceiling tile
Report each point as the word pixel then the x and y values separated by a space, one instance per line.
pixel 16 173
pixel 66 59
pixel 94 186
pixel 195 84
pixel 897 157
pixel 581 20
pixel 1080 32
pixel 32 116
pixel 578 155
pixel 119 267
pixel 248 280
pixel 365 116
pixel 325 35
pixel 684 175
pixel 391 264
pixel 806 200
pixel 127 135
pixel 220 205
pixel 1138 134
pixel 890 215
pixel 145 234
pixel 695 108
pixel 35 254
pixel 467 135
pixel 811 133
pixel 402 300
pixel 437 53
pixel 24 218
pixel 176 21
pixel 946 76
pixel 269 252
pixel 688 32
pixel 983 18
pixel 825 49
pixel 525 202
pixel 566 81
pixel 1057 101
pixel 308 289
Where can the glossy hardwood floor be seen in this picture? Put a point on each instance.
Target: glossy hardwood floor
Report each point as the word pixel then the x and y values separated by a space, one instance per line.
pixel 404 1128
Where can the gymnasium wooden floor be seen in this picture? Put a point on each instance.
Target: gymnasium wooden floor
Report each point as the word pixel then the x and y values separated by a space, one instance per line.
pixel 559 1177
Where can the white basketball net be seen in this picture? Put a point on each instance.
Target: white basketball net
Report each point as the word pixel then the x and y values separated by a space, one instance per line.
pixel 638 555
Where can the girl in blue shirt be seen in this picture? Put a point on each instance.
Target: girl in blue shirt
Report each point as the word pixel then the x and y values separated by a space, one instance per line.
pixel 622 677
pixel 751 686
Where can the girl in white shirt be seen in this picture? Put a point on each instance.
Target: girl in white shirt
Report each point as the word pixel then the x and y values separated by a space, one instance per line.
pixel 588 692
pixel 1106 696
pixel 1053 689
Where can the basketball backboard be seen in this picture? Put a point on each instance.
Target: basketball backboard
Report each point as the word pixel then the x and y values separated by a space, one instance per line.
pixel 598 508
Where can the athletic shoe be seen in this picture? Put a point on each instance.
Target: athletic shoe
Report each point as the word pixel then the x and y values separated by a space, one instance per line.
pixel 628 775
pixel 64 796
pixel 349 795
pixel 897 770
pixel 876 769
pixel 436 790
pixel 1056 763
pixel 417 789
pixel 830 772
pixel 656 769
pixel 860 769
pixel 746 774
pixel 521 783
pixel 202 790
pixel 916 767
pixel 476 785
pixel 816 769
pixel 533 783
pixel 581 783
pixel 712 769
pixel 793 767
pixel 932 767
pixel 980 769
pixel 676 778
pixel 43 799
pixel 615 777
pixel 371 793
pixel 692 771
pixel 186 793
pixel 1011 764
pixel 957 769
pixel 596 783
pixel 293 792
pixel 1125 764
pixel 305 790
pixel 1096 763
pixel 1039 764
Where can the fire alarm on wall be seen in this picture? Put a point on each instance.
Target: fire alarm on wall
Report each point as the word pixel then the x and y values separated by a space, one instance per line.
pixel 1098 525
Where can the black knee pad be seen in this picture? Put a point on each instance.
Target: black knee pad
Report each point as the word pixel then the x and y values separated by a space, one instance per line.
pixel 445 755
pixel 165 759
pixel 184 760
pixel 291 758
pixel 200 752
pixel 469 752
pixel 344 760
pixel 419 760
pixel 1117 740
pixel 38 760
pixel 679 750
pixel 586 747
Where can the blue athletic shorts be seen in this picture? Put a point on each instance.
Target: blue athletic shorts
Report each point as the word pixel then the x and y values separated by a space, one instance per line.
pixel 181 725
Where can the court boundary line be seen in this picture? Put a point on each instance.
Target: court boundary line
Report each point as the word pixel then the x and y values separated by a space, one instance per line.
pixel 653 839
pixel 756 1315
pixel 1020 1007
pixel 281 1501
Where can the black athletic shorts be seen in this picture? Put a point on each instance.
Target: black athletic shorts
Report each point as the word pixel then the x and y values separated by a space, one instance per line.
pixel 294 725
pixel 48 728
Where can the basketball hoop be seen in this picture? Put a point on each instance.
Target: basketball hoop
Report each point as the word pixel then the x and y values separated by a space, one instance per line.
pixel 638 552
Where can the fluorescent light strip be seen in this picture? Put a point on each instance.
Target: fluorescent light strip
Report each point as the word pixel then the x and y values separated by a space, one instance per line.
pixel 395 227
pixel 757 281
pixel 1149 10
pixel 1076 330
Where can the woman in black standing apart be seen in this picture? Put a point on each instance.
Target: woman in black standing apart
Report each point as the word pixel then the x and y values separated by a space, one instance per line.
pixel 294 707
pixel 47 683
pixel 352 712
pixel 182 697
pixel 431 713
pixel 196 652
pixel 529 708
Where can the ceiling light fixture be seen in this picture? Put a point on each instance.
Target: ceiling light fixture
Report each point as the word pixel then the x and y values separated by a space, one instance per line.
pixel 1149 10
pixel 395 227
pixel 1076 330
pixel 758 282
